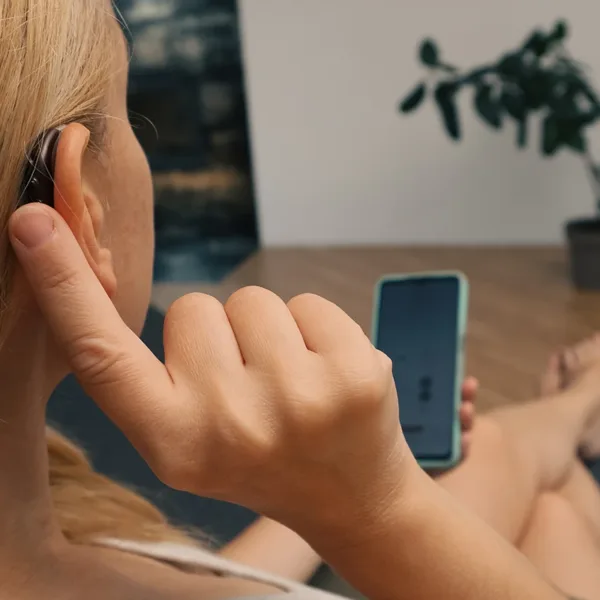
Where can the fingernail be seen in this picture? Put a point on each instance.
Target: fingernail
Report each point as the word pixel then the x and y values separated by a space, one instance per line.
pixel 32 226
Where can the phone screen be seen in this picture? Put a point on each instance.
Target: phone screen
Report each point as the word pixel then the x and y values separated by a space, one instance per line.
pixel 418 328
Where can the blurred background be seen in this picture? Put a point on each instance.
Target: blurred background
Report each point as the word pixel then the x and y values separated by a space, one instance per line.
pixel 188 106
pixel 334 164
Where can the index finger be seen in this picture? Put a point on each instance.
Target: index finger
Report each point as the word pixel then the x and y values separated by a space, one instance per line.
pixel 113 365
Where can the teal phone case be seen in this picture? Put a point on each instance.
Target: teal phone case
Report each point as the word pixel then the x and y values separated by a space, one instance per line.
pixel 463 307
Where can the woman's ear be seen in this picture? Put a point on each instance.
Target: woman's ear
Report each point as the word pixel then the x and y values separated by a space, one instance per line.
pixel 79 206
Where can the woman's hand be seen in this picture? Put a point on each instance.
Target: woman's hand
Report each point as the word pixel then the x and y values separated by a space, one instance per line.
pixel 286 409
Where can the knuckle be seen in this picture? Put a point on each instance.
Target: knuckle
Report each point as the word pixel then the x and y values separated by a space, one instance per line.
pixel 373 387
pixel 249 294
pixel 385 361
pixel 62 279
pixel 95 358
pixel 306 297
pixel 192 303
pixel 305 302
pixel 364 384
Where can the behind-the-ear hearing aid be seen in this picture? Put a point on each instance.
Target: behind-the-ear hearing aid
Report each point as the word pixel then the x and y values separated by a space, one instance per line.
pixel 38 178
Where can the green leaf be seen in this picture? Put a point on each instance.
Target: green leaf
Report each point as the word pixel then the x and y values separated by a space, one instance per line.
pixel 537 43
pixel 522 132
pixel 511 65
pixel 514 103
pixel 560 31
pixel 577 142
pixel 536 89
pixel 445 96
pixel 586 118
pixel 414 99
pixel 429 53
pixel 590 94
pixel 487 106
pixel 550 136
pixel 564 99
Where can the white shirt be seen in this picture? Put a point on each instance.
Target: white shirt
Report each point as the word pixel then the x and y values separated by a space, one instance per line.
pixel 195 560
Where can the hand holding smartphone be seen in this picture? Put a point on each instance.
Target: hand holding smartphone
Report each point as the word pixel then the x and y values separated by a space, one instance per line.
pixel 420 323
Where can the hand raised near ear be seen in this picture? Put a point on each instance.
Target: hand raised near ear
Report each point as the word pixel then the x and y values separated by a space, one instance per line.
pixel 287 409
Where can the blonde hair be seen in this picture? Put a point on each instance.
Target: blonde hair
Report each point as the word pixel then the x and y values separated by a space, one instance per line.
pixel 56 67
pixel 90 506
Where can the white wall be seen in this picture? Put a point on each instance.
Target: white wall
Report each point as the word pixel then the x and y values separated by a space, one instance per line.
pixel 336 164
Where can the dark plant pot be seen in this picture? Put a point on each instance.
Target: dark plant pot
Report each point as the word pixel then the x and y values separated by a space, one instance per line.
pixel 583 237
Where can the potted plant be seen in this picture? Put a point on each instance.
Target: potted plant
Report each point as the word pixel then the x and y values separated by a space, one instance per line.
pixel 539 78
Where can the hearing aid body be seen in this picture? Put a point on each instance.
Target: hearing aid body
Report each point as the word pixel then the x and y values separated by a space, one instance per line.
pixel 38 178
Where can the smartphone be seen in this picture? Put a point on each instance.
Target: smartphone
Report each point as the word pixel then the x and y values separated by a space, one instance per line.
pixel 420 323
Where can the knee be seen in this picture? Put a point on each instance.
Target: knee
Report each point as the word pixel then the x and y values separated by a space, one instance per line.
pixel 554 512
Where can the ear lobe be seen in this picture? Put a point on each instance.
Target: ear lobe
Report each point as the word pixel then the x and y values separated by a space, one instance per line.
pixel 78 205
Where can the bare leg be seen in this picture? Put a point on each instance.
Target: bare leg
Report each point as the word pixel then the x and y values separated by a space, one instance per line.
pixel 583 493
pixel 517 453
pixel 559 543
pixel 520 452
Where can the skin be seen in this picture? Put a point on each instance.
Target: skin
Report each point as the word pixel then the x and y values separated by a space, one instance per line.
pixel 269 546
pixel 284 408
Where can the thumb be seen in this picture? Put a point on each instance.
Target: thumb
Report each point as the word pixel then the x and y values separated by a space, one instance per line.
pixel 113 365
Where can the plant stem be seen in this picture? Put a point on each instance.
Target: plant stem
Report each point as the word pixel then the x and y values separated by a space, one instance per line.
pixel 594 176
